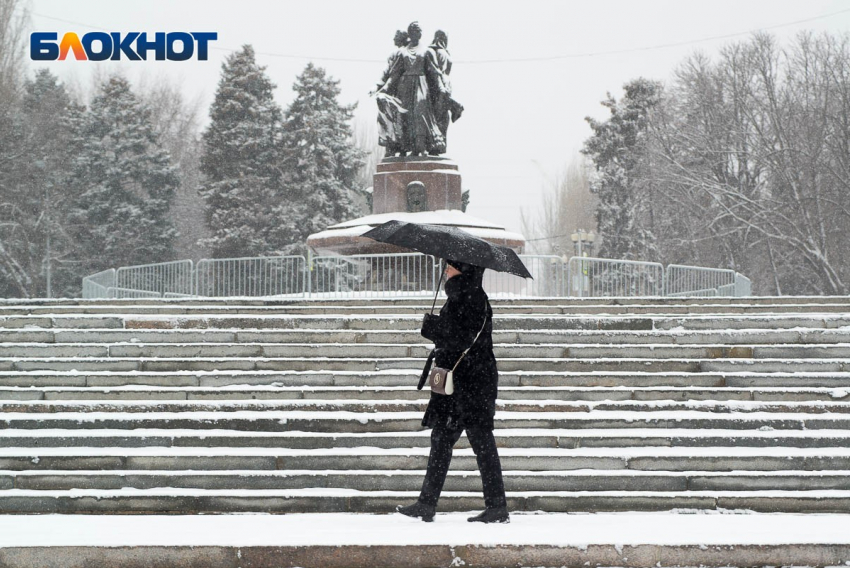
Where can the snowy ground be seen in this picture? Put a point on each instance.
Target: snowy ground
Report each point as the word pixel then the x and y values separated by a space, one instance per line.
pixel 341 529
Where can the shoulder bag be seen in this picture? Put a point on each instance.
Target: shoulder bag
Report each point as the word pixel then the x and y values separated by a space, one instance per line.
pixel 440 380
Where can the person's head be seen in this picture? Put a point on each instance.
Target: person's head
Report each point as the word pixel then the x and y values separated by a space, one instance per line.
pixel 441 39
pixel 470 272
pixel 451 271
pixel 414 32
pixel 401 38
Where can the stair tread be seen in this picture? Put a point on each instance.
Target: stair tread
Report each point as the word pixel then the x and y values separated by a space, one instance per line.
pixel 653 451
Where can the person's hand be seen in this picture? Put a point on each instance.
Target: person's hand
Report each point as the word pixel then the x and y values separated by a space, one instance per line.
pixel 429 320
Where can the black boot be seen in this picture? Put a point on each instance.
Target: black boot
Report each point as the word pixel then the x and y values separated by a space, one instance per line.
pixel 418 510
pixel 492 515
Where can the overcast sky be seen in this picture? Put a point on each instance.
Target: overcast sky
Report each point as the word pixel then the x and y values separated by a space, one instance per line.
pixel 527 72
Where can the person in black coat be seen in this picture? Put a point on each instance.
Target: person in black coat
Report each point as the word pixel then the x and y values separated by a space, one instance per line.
pixel 465 314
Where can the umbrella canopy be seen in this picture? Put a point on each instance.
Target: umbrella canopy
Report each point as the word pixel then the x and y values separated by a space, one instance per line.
pixel 449 243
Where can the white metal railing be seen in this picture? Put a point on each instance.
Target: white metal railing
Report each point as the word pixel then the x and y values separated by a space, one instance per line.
pixel 173 277
pixel 599 277
pixel 96 285
pixel 252 276
pixel 743 286
pixel 405 275
pixel 373 275
pixel 726 290
pixel 547 270
pixel 683 280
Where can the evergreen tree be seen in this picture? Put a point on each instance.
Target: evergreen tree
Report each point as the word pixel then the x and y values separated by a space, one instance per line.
pixel 247 209
pixel 32 179
pixel 121 183
pixel 321 155
pixel 616 148
pixel 48 112
pixel 15 279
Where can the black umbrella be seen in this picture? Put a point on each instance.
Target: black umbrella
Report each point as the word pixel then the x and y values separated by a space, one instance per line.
pixel 449 243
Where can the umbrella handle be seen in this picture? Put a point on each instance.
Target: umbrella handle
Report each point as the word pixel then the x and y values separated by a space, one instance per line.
pixel 442 273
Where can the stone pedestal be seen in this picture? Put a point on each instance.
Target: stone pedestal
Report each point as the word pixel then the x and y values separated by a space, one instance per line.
pixel 440 176
pixel 392 183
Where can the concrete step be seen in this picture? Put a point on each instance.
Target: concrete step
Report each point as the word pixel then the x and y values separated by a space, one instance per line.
pixel 384 350
pixel 389 406
pixel 130 500
pixel 740 309
pixel 590 306
pixel 389 336
pixel 417 300
pixel 505 438
pixel 411 480
pixel 410 377
pixel 310 420
pixel 243 392
pixel 359 406
pixel 346 421
pixel 527 364
pixel 505 322
pixel 386 460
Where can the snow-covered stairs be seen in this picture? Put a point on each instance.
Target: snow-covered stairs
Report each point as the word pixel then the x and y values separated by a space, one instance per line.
pixel 190 406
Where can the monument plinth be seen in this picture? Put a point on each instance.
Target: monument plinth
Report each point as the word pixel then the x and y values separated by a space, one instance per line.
pixel 439 175
pixel 422 189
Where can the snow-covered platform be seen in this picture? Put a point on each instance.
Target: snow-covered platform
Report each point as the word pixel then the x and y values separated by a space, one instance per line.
pixel 379 541
pixel 345 237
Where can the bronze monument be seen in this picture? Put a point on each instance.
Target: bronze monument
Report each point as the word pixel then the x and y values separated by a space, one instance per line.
pixel 414 96
pixel 415 181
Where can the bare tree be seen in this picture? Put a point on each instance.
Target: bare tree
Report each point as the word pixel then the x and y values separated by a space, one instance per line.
pixel 177 123
pixel 15 279
pixel 752 154
pixel 14 15
pixel 568 205
pixel 365 136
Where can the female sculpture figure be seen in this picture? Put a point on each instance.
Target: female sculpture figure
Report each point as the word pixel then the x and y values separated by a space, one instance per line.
pixel 407 80
pixel 446 109
pixel 390 110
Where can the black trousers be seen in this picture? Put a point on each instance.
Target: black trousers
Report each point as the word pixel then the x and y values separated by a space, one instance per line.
pixel 483 444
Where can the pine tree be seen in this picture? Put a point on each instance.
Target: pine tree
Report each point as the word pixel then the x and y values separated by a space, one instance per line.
pixel 121 183
pixel 321 155
pixel 48 110
pixel 34 150
pixel 616 147
pixel 15 281
pixel 246 205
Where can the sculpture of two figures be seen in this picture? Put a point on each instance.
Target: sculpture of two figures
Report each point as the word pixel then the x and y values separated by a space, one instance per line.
pixel 415 104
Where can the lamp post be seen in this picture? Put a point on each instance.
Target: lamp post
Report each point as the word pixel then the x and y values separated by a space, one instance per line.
pixel 583 242
pixel 579 239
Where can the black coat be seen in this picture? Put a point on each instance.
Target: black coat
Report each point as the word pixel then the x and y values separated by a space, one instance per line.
pixel 476 378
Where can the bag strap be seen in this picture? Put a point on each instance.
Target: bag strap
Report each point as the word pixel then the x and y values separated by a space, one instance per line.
pixel 474 340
